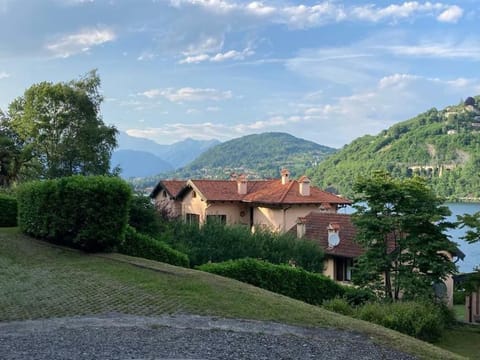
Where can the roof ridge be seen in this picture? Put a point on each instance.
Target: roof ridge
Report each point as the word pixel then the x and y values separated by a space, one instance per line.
pixel 286 191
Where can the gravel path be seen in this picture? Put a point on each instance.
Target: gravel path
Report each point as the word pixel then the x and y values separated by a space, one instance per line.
pixel 118 336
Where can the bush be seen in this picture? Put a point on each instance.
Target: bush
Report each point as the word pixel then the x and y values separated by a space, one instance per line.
pixel 214 242
pixel 143 216
pixel 283 279
pixel 355 296
pixel 340 306
pixel 141 245
pixel 89 213
pixel 8 211
pixel 425 321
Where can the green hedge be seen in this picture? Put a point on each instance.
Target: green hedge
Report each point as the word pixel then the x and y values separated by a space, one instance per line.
pixel 8 211
pixel 214 242
pixel 423 320
pixel 89 213
pixel 140 245
pixel 283 279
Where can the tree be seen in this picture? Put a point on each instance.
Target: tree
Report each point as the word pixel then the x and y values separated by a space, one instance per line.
pixel 62 125
pixel 401 226
pixel 471 221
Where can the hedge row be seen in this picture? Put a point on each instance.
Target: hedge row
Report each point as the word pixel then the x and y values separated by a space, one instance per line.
pixel 215 242
pixel 140 245
pixel 89 213
pixel 283 279
pixel 423 320
pixel 8 211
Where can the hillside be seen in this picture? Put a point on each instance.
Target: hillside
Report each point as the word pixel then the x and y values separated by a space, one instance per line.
pixel 442 145
pixel 258 155
pixel 177 154
pixel 135 163
pixel 98 284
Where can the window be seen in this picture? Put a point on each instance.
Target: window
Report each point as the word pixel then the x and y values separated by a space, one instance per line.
pixel 343 269
pixel 194 194
pixel 192 218
pixel 164 193
pixel 219 219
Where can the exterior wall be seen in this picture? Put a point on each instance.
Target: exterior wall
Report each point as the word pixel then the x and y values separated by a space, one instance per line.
pixel 194 205
pixel 449 283
pixel 233 211
pixel 472 307
pixel 172 207
pixel 281 220
pixel 329 268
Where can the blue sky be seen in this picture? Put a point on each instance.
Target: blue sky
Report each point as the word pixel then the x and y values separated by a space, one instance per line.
pixel 327 71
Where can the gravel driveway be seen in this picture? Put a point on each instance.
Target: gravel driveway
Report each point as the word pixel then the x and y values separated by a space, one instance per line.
pixel 118 336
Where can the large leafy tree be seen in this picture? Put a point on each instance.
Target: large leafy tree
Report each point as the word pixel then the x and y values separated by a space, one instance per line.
pixel 62 127
pixel 401 225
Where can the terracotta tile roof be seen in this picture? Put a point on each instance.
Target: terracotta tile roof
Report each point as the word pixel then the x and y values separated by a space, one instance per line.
pixel 276 193
pixel 173 187
pixel 316 229
pixel 270 192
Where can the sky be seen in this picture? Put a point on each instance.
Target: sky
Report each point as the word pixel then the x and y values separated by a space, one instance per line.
pixel 326 71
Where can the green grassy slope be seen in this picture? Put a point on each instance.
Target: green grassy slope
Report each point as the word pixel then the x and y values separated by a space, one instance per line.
pixel 38 280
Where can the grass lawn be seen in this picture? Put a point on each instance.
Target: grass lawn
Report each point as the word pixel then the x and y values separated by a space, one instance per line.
pixel 463 339
pixel 459 311
pixel 38 280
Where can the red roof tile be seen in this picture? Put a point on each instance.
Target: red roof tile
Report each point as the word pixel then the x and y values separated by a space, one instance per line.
pixel 316 229
pixel 173 187
pixel 270 192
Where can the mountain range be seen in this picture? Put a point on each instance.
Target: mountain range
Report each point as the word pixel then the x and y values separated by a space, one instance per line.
pixel 140 157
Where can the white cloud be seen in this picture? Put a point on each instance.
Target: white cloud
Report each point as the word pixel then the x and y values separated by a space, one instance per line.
pixel 82 41
pixel 195 59
pixel 467 49
pixel 4 75
pixel 217 57
pixel 451 15
pixel 146 55
pixel 205 45
pixel 188 94
pixel 304 16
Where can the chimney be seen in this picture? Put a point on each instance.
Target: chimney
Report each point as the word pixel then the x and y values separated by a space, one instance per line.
pixel 301 227
pixel 285 174
pixel 242 185
pixel 304 186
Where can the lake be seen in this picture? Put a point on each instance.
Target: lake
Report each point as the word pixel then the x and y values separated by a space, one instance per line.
pixel 471 251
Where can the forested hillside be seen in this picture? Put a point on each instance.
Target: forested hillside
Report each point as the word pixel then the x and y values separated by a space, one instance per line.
pixel 258 155
pixel 442 145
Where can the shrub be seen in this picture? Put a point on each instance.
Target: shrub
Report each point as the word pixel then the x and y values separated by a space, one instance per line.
pixel 214 242
pixel 89 213
pixel 425 321
pixel 143 216
pixel 283 279
pixel 8 211
pixel 141 245
pixel 356 296
pixel 340 306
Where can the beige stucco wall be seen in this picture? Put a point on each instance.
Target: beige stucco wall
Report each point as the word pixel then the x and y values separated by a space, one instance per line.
pixel 174 208
pixel 232 210
pixel 329 268
pixel 472 307
pixel 194 205
pixel 281 220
